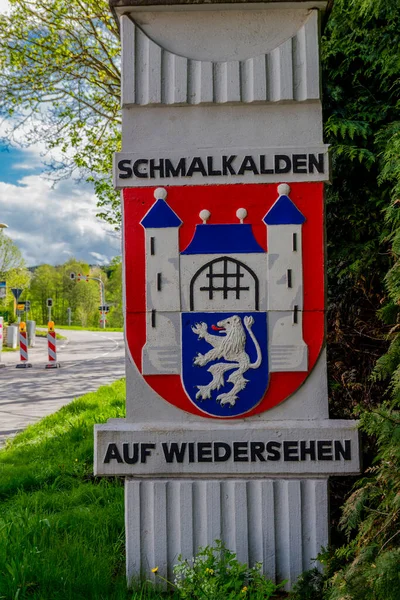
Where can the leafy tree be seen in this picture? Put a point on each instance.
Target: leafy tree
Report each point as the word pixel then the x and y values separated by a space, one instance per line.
pixel 10 255
pixel 369 563
pixel 60 85
pixel 361 72
pixel 43 286
pixel 76 295
pixel 360 63
pixel 87 310
pixel 12 271
pixel 114 292
pixel 83 298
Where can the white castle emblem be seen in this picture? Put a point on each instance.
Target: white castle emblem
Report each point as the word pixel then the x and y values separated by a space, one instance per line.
pixel 224 270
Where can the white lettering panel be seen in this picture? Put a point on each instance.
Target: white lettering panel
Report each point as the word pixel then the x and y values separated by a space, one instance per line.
pixel 327 447
pixel 221 166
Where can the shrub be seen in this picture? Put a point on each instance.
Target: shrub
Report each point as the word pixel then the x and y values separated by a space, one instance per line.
pixel 216 574
pixel 309 586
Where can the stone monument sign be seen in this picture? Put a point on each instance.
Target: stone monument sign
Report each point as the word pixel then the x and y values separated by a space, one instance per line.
pixel 227 432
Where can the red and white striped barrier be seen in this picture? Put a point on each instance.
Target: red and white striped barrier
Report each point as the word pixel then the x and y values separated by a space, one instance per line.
pixel 23 347
pixel 52 347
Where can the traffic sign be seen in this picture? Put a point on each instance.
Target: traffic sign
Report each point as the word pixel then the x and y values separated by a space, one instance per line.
pixel 3 289
pixel 16 292
pixel 25 305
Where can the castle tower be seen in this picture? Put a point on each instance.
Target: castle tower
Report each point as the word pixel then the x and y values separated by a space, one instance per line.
pixel 287 349
pixel 161 353
pixel 222 267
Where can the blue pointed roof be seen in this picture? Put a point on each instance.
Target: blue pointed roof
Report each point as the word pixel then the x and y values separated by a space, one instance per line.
pixel 284 212
pixel 160 215
pixel 223 239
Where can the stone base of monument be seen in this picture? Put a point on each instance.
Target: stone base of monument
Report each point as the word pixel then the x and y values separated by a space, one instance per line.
pixel 261 488
pixel 281 523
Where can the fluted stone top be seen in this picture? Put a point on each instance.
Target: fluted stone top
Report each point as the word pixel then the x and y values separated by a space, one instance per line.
pixel 121 7
pixel 122 3
pixel 115 3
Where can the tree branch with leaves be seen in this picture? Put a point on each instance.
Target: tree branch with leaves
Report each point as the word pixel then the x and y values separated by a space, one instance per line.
pixel 60 86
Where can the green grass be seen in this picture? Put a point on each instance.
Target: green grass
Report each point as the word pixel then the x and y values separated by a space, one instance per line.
pixel 79 328
pixel 7 349
pixel 62 529
pixel 43 334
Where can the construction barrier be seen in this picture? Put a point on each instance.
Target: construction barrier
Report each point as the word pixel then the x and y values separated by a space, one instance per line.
pixel 52 347
pixel 23 347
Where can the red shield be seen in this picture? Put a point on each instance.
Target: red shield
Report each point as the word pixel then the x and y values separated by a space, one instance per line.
pixel 223 203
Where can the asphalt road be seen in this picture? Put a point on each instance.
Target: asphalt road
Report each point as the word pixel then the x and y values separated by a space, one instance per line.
pixel 88 360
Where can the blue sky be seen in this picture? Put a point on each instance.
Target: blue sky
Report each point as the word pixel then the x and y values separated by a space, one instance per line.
pixel 50 223
pixel 10 161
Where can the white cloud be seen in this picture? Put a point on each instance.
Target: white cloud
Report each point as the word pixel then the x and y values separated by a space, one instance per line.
pixel 37 153
pixel 4 6
pixel 49 224
pixel 101 259
pixel 22 166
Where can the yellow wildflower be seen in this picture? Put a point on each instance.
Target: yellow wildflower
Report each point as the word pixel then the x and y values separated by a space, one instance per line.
pixel 244 589
pixel 154 570
pixel 211 571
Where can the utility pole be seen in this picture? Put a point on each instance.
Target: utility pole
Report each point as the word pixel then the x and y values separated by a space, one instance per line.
pixel 69 316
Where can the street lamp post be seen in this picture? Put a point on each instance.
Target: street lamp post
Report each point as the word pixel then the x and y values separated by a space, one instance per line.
pixel 102 300
pixel 79 277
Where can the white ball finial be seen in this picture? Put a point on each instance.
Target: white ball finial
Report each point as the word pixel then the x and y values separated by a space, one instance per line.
pixel 160 194
pixel 283 189
pixel 241 214
pixel 204 215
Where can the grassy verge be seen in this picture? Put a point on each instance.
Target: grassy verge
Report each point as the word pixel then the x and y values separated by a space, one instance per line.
pixel 79 328
pixel 43 334
pixel 61 529
pixel 7 349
